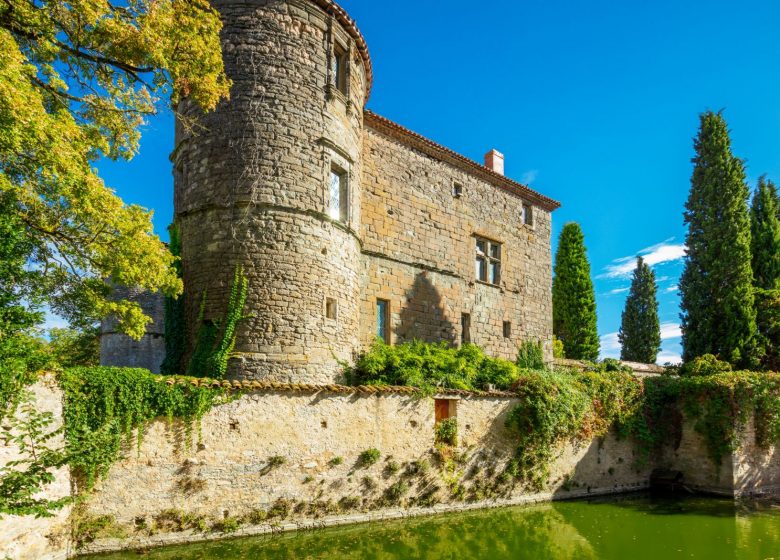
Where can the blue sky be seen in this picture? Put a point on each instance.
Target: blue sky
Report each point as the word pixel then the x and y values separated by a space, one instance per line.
pixel 593 103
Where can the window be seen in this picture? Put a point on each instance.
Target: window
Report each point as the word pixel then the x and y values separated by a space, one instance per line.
pixel 382 312
pixel 330 308
pixel 528 215
pixel 339 69
pixel 488 261
pixel 338 203
pixel 444 409
pixel 457 190
pixel 507 329
pixel 465 328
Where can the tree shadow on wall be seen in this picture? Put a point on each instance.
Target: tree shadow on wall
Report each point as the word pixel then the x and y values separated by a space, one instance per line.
pixel 423 316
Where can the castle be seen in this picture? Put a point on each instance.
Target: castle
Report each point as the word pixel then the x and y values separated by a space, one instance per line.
pixel 348 225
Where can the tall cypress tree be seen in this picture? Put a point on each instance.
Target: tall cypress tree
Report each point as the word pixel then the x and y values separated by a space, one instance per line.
pixel 574 301
pixel 765 236
pixel 718 314
pixel 640 329
pixel 765 247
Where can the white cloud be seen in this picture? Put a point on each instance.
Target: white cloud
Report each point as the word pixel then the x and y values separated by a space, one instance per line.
pixel 610 345
pixel 663 252
pixel 668 357
pixel 670 330
pixel 671 289
pixel 618 291
pixel 663 279
pixel 529 176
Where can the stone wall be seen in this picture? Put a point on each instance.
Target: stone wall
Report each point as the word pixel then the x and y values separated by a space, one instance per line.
pixel 303 449
pixel 25 537
pixel 419 251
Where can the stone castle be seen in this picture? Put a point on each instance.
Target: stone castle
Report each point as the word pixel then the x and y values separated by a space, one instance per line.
pixel 348 225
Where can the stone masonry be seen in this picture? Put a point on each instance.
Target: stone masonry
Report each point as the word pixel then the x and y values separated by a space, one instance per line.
pixel 252 187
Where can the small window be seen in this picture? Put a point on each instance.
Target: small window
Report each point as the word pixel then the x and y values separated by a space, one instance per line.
pixel 330 308
pixel 457 190
pixel 339 70
pixel 507 329
pixel 465 328
pixel 338 203
pixel 382 327
pixel 487 261
pixel 528 214
pixel 444 409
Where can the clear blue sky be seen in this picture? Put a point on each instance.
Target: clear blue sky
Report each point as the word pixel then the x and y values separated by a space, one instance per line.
pixel 593 103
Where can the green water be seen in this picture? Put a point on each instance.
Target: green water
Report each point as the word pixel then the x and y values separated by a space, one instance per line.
pixel 628 528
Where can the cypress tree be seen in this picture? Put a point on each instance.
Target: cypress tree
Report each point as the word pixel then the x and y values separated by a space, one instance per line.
pixel 718 314
pixel 765 248
pixel 574 301
pixel 640 329
pixel 765 236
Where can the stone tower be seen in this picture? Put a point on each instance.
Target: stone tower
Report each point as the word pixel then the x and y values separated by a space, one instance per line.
pixel 271 181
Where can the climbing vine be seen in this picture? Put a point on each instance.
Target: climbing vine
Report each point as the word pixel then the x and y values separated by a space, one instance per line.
pixel 106 407
pixel 175 319
pixel 216 339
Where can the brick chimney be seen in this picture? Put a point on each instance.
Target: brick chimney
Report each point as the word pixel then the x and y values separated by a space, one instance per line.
pixel 494 160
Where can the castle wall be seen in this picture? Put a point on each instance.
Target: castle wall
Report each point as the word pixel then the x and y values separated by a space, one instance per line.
pixel 231 471
pixel 252 188
pixel 419 251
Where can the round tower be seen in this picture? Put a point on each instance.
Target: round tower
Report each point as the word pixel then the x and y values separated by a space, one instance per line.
pixel 271 181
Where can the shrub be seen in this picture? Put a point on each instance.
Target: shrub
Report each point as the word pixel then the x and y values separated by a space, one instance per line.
pixel 392 467
pixel 430 366
pixel 281 508
pixel 336 461
pixel 705 365
pixel 447 431
pixel 530 355
pixel 227 525
pixel 558 352
pixel 369 457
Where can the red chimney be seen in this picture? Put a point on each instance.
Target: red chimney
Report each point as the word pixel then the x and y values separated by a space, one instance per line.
pixel 494 160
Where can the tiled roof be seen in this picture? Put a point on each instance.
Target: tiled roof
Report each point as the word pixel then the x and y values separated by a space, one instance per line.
pixel 351 27
pixel 437 151
pixel 266 386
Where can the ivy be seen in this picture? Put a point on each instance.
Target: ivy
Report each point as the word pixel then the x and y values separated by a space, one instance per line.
pixel 105 406
pixel 175 317
pixel 212 351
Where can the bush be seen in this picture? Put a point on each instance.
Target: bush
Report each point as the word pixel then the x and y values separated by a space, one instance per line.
pixel 431 366
pixel 369 457
pixel 705 365
pixel 447 431
pixel 530 355
pixel 558 352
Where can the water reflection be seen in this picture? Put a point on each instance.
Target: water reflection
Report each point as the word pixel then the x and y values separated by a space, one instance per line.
pixel 636 527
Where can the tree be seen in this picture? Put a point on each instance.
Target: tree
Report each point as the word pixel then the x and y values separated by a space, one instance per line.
pixel 718 313
pixel 640 329
pixel 574 301
pixel 77 80
pixel 765 236
pixel 175 318
pixel 72 348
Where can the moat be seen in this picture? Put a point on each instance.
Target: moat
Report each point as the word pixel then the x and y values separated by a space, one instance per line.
pixel 637 527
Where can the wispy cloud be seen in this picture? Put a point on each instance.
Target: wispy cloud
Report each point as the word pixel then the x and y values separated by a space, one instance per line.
pixel 618 291
pixel 529 176
pixel 665 357
pixel 670 330
pixel 610 345
pixel 671 289
pixel 663 252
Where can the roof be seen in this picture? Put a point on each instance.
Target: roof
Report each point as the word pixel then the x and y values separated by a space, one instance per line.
pixel 442 153
pixel 351 27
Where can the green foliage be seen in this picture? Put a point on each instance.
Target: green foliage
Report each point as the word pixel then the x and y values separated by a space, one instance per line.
pixel 640 329
pixel 71 347
pixel 368 457
pixel 574 301
pixel 336 461
pixel 705 365
pixel 105 406
pixel 447 431
pixel 87 528
pixel 21 480
pixel 555 407
pixel 175 319
pixel 227 525
pixel 768 319
pixel 558 351
pixel 430 366
pixel 718 404
pixel 765 235
pixel 216 339
pixel 718 314
pixel 530 355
